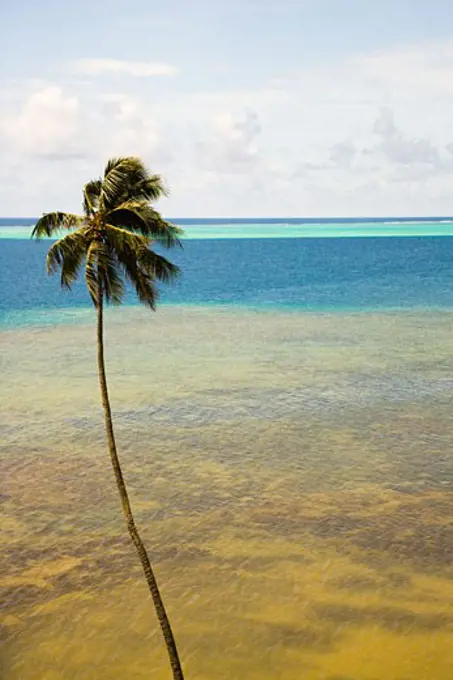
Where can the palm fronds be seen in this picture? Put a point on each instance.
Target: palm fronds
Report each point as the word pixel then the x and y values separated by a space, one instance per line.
pixel 115 235
pixel 52 222
pixel 140 217
pixel 91 196
pixel 137 247
pixel 67 255
pixel 128 178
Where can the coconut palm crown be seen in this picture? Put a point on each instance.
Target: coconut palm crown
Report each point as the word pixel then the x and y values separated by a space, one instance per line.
pixel 114 234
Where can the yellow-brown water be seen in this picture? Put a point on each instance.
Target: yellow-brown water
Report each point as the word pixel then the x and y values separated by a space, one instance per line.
pixel 290 473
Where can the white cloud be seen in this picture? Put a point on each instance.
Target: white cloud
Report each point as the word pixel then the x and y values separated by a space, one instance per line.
pixel 343 153
pixel 232 145
pixel 399 148
pixel 144 69
pixel 357 136
pixel 119 105
pixel 128 128
pixel 46 124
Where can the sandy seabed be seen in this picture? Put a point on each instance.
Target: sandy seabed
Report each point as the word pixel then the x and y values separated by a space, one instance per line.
pixel 291 474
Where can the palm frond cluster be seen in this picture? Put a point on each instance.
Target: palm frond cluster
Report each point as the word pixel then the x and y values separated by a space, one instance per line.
pixel 114 235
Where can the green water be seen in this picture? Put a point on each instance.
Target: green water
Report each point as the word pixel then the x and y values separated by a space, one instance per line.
pixel 291 475
pixel 237 230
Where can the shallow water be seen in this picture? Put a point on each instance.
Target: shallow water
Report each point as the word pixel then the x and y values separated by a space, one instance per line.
pixel 279 228
pixel 290 472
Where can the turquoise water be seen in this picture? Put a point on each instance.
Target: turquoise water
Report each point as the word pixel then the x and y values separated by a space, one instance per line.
pixel 283 229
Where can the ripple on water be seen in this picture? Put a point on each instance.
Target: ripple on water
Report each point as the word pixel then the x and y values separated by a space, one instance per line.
pixel 296 500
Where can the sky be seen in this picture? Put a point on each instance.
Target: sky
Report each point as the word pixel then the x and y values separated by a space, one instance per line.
pixel 246 107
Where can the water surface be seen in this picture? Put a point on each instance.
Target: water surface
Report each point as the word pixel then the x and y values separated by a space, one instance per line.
pixel 291 473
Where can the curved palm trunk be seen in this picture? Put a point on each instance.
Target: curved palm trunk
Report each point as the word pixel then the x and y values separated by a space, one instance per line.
pixel 149 574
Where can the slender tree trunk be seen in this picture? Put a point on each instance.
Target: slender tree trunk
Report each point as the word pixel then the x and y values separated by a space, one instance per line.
pixel 144 559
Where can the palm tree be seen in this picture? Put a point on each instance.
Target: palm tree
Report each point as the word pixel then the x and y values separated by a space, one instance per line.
pixel 113 239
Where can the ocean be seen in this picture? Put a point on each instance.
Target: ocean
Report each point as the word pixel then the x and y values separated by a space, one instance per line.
pixel 261 271
pixel 284 424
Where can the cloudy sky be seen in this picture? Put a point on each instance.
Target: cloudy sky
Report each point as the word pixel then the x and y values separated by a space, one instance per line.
pixel 247 107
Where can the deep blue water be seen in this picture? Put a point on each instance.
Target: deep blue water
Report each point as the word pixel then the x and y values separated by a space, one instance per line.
pixel 310 274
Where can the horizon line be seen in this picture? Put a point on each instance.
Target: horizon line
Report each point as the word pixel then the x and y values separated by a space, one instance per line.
pixel 280 217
